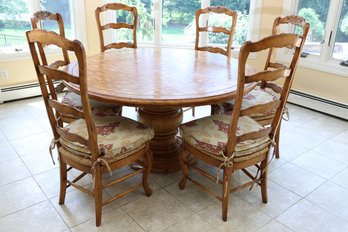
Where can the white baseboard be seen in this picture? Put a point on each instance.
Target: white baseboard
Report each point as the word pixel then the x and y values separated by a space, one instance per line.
pixel 20 91
pixel 319 104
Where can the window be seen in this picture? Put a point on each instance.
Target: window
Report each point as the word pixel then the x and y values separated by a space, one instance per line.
pixel 15 21
pixel 172 22
pixel 327 42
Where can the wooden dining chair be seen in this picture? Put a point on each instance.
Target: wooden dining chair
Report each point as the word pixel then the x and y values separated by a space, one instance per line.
pixel 70 98
pixel 236 141
pixel 224 49
pixel 269 90
pixel 94 143
pixel 117 25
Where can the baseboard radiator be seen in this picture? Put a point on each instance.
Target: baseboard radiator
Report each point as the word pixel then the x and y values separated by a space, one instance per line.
pixel 20 91
pixel 319 104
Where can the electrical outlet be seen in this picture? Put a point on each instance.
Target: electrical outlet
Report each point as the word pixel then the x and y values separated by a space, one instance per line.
pixel 4 74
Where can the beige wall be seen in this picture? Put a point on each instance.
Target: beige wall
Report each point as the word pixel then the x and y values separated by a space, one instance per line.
pixel 332 87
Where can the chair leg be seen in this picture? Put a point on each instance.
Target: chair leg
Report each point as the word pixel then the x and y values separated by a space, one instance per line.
pixel 120 111
pixel 277 137
pixel 214 109
pixel 264 180
pixel 98 194
pixel 63 180
pixel 226 188
pixel 148 166
pixel 184 168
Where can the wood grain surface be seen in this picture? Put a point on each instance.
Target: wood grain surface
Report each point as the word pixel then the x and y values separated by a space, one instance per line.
pixel 160 77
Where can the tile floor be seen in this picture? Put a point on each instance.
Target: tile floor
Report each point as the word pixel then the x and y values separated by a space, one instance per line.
pixel 308 185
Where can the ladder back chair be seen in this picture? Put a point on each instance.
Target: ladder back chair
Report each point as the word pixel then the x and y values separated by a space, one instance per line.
pixel 93 143
pixel 70 98
pixel 235 141
pixel 118 25
pixel 216 29
pixel 268 90
pixel 215 10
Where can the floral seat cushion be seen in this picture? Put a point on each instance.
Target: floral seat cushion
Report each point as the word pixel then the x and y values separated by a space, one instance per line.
pixel 255 97
pixel 98 108
pixel 209 135
pixel 115 135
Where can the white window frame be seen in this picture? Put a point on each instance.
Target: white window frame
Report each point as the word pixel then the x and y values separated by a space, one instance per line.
pixel 323 62
pixel 253 32
pixel 79 27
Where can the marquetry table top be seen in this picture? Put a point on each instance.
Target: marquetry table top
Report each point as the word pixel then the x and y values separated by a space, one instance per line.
pixel 160 77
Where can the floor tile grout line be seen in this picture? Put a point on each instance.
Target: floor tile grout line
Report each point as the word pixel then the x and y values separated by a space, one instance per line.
pixel 27 207
pixel 283 225
pixel 55 209
pixel 298 166
pixel 133 219
pixel 327 210
pixel 49 199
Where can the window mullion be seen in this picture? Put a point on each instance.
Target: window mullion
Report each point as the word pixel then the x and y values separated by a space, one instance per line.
pixel 79 18
pixel 157 9
pixel 203 21
pixel 34 5
pixel 331 28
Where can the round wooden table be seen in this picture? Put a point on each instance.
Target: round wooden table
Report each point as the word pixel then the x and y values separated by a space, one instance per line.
pixel 160 81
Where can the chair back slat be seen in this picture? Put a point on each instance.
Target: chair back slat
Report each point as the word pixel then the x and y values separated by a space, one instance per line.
pixel 119 45
pixel 265 108
pixel 55 74
pixel 57 64
pixel 276 65
pixel 52 38
pixel 47 73
pixel 254 135
pixel 213 50
pixel 288 40
pixel 71 137
pixel 216 29
pixel 268 75
pixel 116 26
pixel 66 110
pixel 116 6
pixel 276 88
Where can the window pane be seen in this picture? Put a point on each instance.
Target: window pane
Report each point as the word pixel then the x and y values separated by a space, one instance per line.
pixel 178 18
pixel 242 7
pixel 340 50
pixel 62 7
pixel 145 27
pixel 315 12
pixel 14 22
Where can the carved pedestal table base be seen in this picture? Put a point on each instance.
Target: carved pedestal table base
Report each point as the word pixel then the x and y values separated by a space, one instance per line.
pixel 165 145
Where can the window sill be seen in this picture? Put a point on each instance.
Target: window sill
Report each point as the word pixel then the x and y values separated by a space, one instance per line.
pixel 332 67
pixel 24 55
pixel 13 56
